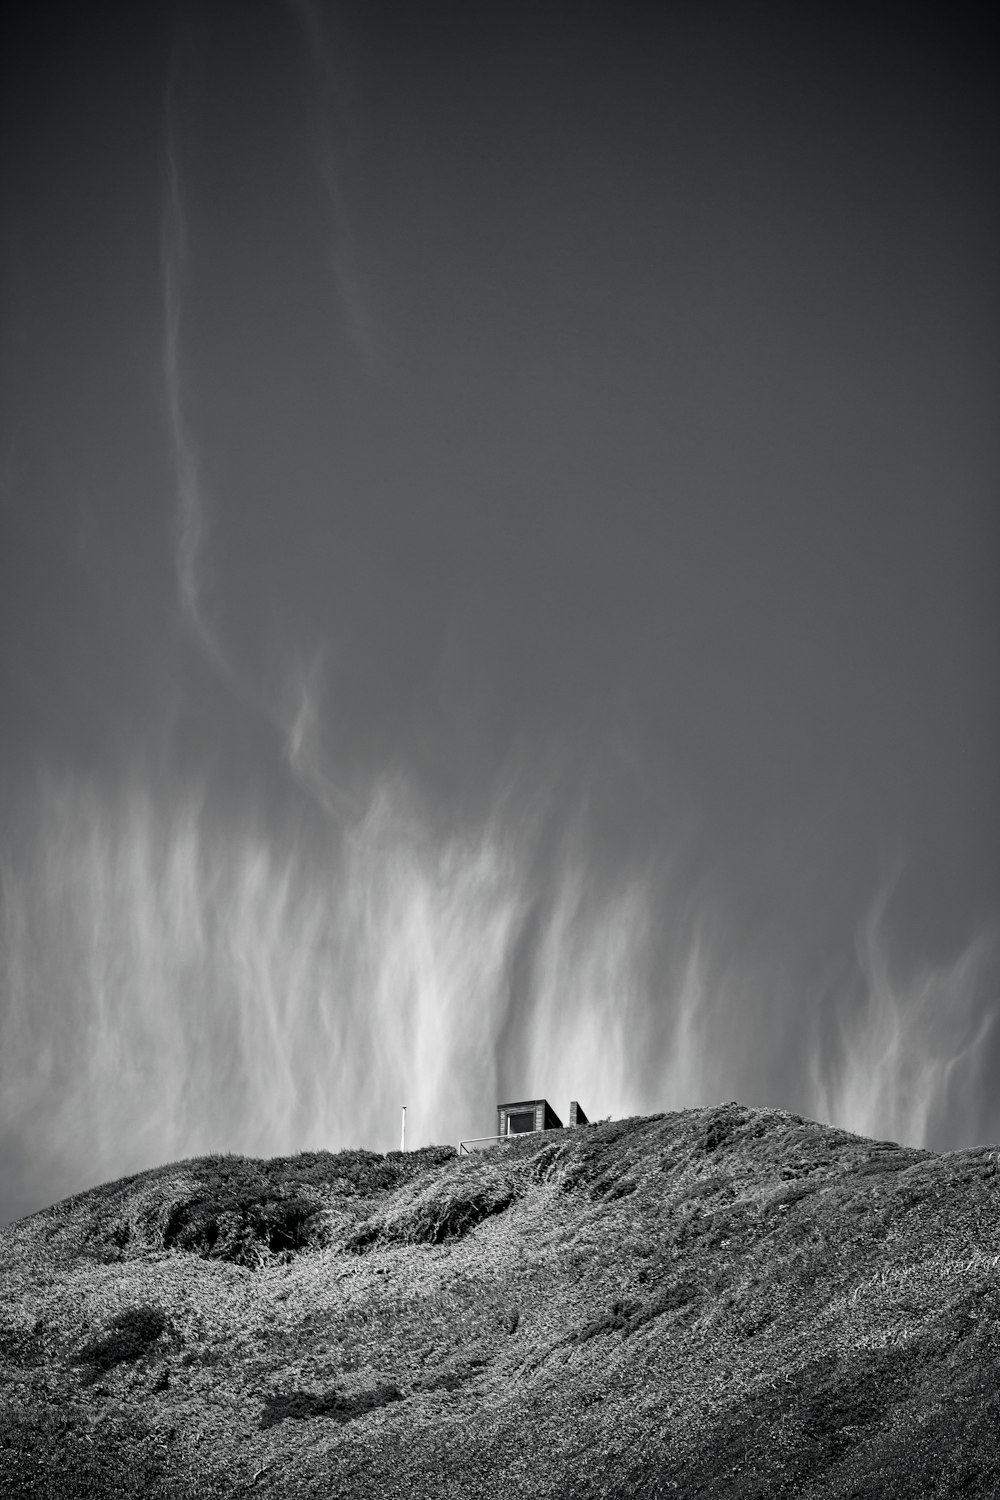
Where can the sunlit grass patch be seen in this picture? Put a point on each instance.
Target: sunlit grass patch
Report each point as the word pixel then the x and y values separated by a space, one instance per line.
pixel 446 1209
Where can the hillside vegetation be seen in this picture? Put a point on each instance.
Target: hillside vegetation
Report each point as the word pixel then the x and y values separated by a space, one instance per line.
pixel 715 1303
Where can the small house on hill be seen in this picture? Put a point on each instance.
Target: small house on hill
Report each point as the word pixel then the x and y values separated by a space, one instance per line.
pixel 523 1115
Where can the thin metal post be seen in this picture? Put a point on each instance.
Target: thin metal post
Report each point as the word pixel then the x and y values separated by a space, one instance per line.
pixel 402 1138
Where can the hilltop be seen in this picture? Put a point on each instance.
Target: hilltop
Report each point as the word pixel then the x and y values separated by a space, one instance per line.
pixel 712 1303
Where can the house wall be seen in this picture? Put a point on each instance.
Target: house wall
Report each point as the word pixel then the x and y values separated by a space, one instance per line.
pixel 520 1107
pixel 545 1116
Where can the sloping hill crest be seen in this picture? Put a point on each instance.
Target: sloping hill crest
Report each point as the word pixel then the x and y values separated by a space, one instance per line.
pixel 717 1302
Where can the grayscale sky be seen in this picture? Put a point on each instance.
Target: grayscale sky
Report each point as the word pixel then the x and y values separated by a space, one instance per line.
pixel 498 573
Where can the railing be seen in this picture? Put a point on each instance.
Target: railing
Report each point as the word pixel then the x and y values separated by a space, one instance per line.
pixel 484 1142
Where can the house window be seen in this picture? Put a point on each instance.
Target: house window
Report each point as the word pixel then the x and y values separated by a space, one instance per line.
pixel 520 1122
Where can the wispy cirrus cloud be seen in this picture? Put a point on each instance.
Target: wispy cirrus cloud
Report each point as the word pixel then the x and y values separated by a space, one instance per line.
pixel 331 137
pixel 170 986
pixel 190 520
pixel 304 749
pixel 293 710
pixel 909 1040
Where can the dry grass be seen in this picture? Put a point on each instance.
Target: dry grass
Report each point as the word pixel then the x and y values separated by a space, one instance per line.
pixel 723 1302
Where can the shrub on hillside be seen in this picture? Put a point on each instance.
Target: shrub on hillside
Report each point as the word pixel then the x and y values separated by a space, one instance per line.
pixel 239 1208
pixel 444 1211
pixel 246 1211
pixel 245 1223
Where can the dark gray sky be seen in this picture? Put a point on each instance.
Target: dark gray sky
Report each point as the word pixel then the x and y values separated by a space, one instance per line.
pixel 498 574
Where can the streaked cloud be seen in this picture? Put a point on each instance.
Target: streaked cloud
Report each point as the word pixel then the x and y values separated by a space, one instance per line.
pixel 331 117
pixel 173 987
pixel 912 1038
pixel 190 530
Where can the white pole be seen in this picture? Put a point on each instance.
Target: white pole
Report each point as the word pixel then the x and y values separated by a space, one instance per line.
pixel 402 1138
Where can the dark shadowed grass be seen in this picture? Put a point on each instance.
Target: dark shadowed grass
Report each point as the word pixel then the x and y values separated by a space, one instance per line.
pixel 244 1218
pixel 242 1210
pixel 300 1406
pixel 22 1348
pixel 130 1335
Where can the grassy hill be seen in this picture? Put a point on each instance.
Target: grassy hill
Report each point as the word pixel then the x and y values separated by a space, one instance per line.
pixel 719 1302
